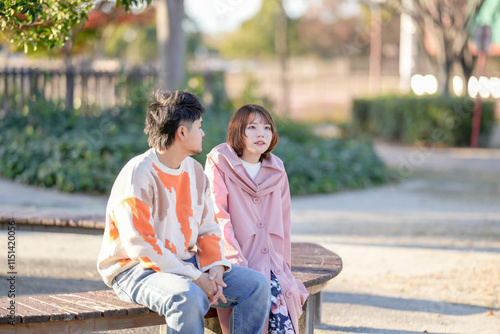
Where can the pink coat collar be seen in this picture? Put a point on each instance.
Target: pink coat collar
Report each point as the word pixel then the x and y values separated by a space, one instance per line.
pixel 271 175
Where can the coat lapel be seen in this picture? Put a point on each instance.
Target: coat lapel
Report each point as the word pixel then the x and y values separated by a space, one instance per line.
pixel 269 178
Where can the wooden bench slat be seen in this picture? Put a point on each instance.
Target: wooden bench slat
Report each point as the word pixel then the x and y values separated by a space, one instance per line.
pixel 5 313
pixel 107 309
pixel 306 266
pixel 54 313
pixel 109 296
pixel 81 312
pixel 310 278
pixel 25 313
pixel 85 326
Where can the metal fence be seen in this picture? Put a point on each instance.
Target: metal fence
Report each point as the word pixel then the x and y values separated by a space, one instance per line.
pixel 78 88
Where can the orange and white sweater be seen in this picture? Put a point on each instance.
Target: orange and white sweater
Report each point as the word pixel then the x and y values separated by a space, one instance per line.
pixel 158 217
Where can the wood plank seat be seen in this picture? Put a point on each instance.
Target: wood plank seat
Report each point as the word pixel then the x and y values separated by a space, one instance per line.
pixel 54 222
pixel 103 310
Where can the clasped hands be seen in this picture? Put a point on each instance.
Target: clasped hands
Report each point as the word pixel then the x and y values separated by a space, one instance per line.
pixel 211 283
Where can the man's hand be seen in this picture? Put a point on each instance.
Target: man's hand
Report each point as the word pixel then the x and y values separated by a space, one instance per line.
pixel 207 285
pixel 216 274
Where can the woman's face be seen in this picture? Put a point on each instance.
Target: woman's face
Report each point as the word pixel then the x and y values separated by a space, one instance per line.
pixel 258 136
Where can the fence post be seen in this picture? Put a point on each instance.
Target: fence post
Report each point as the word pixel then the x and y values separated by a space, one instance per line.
pixel 32 73
pixel 70 87
pixel 84 83
pixel 22 103
pixel 6 91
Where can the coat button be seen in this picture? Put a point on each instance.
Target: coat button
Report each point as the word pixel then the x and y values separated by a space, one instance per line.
pixel 260 224
pixel 264 250
pixel 256 200
pixel 288 294
pixel 277 271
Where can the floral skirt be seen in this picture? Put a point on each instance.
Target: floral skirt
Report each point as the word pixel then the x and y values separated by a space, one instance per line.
pixel 279 319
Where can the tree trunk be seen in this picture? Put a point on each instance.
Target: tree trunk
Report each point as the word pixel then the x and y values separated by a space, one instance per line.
pixel 171 43
pixel 375 48
pixel 280 42
pixel 447 77
pixel 70 75
pixel 467 62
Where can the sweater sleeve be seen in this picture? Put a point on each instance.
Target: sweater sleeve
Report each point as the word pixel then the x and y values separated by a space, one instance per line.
pixel 134 223
pixel 210 241
pixel 220 195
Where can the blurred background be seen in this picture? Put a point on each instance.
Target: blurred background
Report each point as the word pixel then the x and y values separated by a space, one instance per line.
pixel 399 93
pixel 338 76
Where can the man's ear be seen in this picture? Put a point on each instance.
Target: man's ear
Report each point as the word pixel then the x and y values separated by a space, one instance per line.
pixel 181 132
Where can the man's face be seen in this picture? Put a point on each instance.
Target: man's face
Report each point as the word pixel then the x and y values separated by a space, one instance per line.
pixel 194 137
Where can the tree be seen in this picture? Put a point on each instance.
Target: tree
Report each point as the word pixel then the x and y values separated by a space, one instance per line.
pixel 443 33
pixel 47 22
pixel 171 42
pixel 50 22
pixel 281 47
pixel 256 36
pixel 324 32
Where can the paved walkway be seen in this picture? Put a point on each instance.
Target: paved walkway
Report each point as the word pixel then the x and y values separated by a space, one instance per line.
pixel 419 256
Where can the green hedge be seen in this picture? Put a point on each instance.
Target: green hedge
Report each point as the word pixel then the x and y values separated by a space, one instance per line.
pixel 413 119
pixel 73 151
pixel 329 165
pixel 52 147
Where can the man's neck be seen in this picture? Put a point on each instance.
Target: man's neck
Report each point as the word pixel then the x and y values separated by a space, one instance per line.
pixel 171 157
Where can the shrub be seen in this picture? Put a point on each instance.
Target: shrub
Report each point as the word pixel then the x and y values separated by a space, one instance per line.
pixel 72 151
pixel 412 119
pixel 329 165
pixel 52 147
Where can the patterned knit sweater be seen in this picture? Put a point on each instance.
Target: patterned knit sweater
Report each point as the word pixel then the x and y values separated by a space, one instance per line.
pixel 158 216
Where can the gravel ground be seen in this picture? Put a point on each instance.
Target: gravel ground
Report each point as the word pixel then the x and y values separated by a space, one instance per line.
pixel 421 256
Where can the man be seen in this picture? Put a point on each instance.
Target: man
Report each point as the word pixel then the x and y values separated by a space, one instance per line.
pixel 162 245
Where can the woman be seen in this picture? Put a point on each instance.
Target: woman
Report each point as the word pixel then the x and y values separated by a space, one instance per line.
pixel 252 202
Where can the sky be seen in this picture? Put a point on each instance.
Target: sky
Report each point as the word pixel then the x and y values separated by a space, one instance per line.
pixel 218 16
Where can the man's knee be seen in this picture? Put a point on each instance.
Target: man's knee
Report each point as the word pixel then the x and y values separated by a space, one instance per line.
pixel 259 283
pixel 263 287
pixel 260 280
pixel 190 301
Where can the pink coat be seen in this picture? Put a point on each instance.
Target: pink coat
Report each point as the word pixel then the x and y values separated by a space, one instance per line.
pixel 255 219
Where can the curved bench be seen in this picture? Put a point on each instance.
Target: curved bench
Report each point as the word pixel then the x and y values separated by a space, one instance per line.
pixel 103 310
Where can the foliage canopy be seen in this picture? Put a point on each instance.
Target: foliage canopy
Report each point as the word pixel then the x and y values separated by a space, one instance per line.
pixel 28 23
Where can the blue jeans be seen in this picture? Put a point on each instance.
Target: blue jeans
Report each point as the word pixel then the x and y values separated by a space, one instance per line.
pixel 184 304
